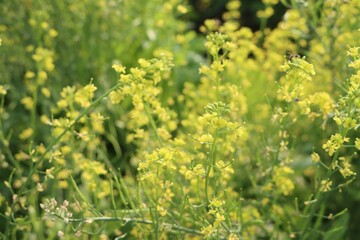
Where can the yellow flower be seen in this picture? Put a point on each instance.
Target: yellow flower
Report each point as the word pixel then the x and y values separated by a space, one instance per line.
pixel 85 94
pixel 282 180
pixel 216 202
pixel 21 156
pixel 2 90
pixel 206 138
pixel 90 89
pixel 315 157
pixel 326 185
pixel 345 169
pixel 199 169
pixel 27 102
pixel 162 211
pixel 53 33
pixel 207 231
pixel 353 52
pixel 27 133
pixel 46 92
pixel 307 67
pixel 119 68
pixel 336 141
pixel 42 77
pixel 115 97
pixel 29 74
pixel 44 25
pixel 181 9
pixel 233 236
pixel 357 143
pixel 268 12
pixel 144 63
pixel 218 220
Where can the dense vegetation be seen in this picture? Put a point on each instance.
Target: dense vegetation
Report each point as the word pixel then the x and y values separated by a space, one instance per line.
pixel 121 120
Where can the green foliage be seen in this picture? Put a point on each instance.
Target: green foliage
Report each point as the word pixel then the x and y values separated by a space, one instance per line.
pixel 117 121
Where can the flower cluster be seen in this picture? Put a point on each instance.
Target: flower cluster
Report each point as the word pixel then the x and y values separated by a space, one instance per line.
pixel 53 209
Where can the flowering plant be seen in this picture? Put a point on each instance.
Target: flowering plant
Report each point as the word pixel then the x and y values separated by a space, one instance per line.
pixel 171 133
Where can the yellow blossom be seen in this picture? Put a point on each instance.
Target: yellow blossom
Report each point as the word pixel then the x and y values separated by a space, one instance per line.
pixel 27 102
pixel 162 211
pixel 115 97
pixel 326 185
pixel 21 156
pixel 44 25
pixel 335 143
pixel 266 13
pixel 282 180
pixel 357 143
pixel 216 202
pixel 42 77
pixel 27 133
pixel 119 68
pixel 182 9
pixel 199 169
pixel 233 236
pixel 144 63
pixel 208 230
pixel 219 219
pixel 206 138
pixel 41 149
pixel 345 169
pixel 29 74
pixel 315 157
pixel 2 90
pixel 46 92
pixel 53 33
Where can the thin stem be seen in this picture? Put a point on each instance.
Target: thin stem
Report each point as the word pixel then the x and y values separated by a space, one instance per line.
pixel 209 167
pixel 33 112
pixel 319 202
pixel 83 197
pixel 126 191
pixel 153 124
pixel 144 221
pixel 5 141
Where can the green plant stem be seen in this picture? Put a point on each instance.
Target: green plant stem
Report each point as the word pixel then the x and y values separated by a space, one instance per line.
pixel 152 123
pixel 33 112
pixel 117 183
pixel 9 153
pixel 209 166
pixel 5 142
pixel 263 22
pixel 126 191
pixel 126 220
pixel 319 197
pixel 83 197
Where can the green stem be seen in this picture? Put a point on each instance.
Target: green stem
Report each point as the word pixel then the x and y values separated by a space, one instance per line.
pixel 4 141
pixel 117 183
pixel 319 202
pixel 263 22
pixel 152 123
pixel 126 191
pixel 83 197
pixel 33 112
pixel 209 166
pixel 144 221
